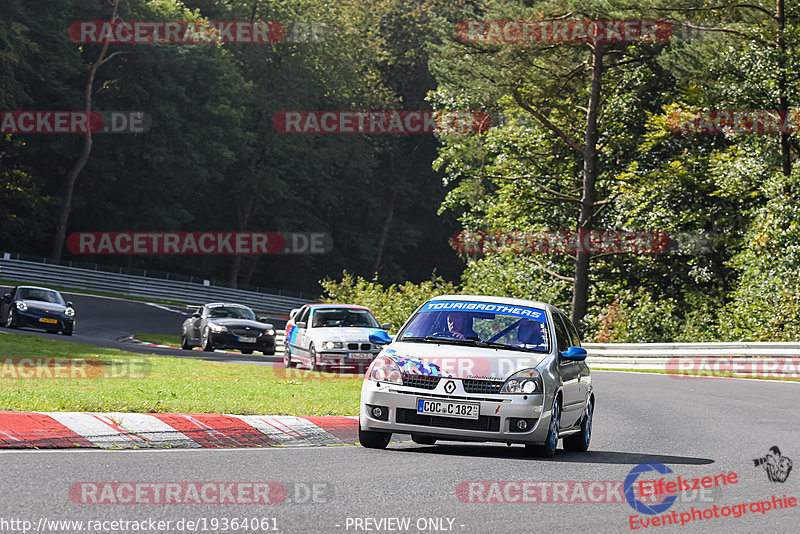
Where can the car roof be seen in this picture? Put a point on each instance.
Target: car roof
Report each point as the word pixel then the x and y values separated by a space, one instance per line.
pixel 498 300
pixel 332 305
pixel 218 304
pixel 37 287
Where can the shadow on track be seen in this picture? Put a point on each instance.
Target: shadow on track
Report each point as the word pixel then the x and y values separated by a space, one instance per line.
pixel 589 457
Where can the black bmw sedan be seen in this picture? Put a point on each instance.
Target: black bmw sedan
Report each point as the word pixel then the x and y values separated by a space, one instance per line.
pixel 228 326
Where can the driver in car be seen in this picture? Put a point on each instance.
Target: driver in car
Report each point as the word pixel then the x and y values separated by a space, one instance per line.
pixel 459 325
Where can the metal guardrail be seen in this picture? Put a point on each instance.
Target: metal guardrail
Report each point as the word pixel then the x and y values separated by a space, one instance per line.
pixel 143 286
pixel 674 350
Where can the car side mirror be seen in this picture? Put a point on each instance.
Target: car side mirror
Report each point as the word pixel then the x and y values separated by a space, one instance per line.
pixel 69 304
pixel 196 315
pixel 380 338
pixel 576 354
pixel 386 326
pixel 7 296
pixel 301 324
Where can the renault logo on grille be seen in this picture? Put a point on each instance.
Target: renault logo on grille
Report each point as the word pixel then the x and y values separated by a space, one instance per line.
pixel 450 386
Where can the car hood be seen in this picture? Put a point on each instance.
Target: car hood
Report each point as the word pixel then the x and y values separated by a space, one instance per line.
pixel 453 361
pixel 344 334
pixel 39 305
pixel 240 322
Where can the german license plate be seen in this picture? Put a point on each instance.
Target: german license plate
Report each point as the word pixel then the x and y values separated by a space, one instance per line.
pixel 359 355
pixel 463 410
pixel 48 320
pixel 243 339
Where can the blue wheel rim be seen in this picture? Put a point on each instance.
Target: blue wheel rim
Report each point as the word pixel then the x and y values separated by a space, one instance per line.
pixel 554 426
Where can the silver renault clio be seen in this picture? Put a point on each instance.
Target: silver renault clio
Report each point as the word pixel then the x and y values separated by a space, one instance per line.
pixel 480 368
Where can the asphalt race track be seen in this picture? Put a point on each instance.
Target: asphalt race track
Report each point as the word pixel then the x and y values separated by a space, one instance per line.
pixel 109 322
pixel 696 427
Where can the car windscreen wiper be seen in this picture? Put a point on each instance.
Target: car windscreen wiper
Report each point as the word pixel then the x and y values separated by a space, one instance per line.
pixel 495 345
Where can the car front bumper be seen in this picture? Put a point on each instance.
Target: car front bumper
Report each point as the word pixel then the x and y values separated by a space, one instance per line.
pixel 498 413
pixel 339 359
pixel 227 340
pixel 34 319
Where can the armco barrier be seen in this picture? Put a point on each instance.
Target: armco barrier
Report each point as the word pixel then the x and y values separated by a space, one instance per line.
pixel 142 286
pixel 674 350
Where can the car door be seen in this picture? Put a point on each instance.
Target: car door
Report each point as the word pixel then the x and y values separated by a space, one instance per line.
pixel 584 376
pixel 298 338
pixel 194 325
pixel 569 372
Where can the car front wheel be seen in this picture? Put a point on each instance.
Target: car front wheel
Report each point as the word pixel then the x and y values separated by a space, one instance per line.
pixel 185 343
pixel 10 319
pixel 373 440
pixel 548 449
pixel 312 358
pixel 580 442
pixel 208 345
pixel 287 357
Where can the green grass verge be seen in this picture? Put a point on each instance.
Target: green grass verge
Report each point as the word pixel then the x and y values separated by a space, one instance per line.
pixel 173 341
pixel 700 374
pixel 162 384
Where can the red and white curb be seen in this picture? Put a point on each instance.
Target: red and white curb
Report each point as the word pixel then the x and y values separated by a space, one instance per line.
pixel 171 430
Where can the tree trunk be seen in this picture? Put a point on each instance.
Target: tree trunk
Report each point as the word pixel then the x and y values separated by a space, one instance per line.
pixel 243 214
pixel 783 99
pixel 580 288
pixel 86 150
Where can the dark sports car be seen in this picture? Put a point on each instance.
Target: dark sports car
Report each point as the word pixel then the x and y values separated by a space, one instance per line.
pixel 228 326
pixel 37 307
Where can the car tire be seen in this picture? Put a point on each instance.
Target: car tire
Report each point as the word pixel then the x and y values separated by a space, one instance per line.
pixel 68 331
pixel 247 351
pixel 580 442
pixel 312 359
pixel 185 343
pixel 268 352
pixel 208 345
pixel 423 440
pixel 10 318
pixel 373 440
pixel 548 449
pixel 287 358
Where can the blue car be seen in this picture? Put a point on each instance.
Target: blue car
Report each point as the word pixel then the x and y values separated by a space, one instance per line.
pixel 38 307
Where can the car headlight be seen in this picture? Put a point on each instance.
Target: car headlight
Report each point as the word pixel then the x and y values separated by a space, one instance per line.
pixel 385 369
pixel 218 328
pixel 21 306
pixel 69 312
pixel 332 345
pixel 523 382
pixel 270 332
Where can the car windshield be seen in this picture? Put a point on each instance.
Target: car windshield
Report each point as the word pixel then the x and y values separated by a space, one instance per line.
pixel 477 323
pixel 42 295
pixel 231 312
pixel 337 317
